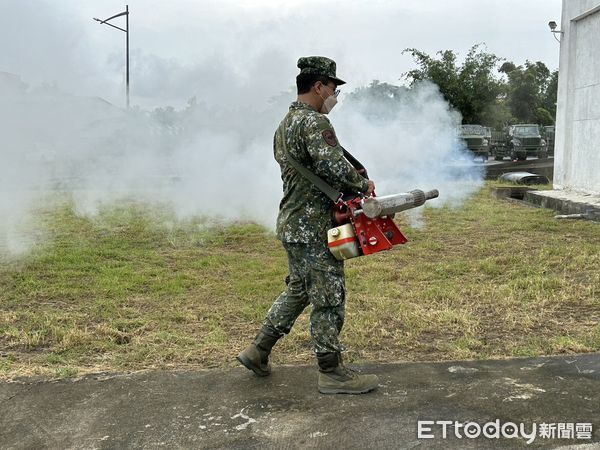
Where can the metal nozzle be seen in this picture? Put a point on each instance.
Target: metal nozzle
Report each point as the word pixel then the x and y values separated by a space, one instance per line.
pixel 390 204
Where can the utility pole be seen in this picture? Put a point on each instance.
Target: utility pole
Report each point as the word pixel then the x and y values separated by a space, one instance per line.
pixel 126 30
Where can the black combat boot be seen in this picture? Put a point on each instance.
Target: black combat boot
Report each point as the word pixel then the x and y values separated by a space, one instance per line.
pixel 256 355
pixel 335 378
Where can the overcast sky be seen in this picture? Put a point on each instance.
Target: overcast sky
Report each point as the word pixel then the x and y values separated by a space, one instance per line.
pixel 238 58
pixel 178 45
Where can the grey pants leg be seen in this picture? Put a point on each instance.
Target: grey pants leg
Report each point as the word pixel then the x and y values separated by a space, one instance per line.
pixel 316 278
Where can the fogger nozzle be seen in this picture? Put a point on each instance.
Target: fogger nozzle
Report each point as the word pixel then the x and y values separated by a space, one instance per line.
pixel 390 204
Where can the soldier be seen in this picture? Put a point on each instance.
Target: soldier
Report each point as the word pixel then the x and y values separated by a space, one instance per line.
pixel 305 215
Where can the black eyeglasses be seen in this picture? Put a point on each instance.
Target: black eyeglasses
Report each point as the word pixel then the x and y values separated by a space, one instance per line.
pixel 336 92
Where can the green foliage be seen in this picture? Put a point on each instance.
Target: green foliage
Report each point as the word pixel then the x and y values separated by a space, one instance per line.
pixel 385 95
pixel 543 117
pixel 550 94
pixel 487 94
pixel 469 88
pixel 384 92
pixel 497 115
pixel 531 92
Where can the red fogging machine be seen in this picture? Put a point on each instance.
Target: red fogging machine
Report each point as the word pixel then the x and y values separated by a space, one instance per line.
pixel 367 225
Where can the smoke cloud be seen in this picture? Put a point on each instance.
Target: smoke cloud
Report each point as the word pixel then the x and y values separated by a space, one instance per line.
pixel 209 160
pixel 210 156
pixel 407 140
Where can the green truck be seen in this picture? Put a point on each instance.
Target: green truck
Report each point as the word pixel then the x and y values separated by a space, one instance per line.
pixel 518 142
pixel 549 138
pixel 475 139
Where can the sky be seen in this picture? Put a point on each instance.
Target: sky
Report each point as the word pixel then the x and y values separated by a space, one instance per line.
pixel 238 59
pixel 175 43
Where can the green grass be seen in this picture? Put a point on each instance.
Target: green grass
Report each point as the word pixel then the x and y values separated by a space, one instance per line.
pixel 131 289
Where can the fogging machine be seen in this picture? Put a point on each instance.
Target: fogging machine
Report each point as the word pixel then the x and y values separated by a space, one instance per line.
pixel 366 224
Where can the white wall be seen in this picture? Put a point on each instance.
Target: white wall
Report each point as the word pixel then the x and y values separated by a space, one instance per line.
pixel 577 150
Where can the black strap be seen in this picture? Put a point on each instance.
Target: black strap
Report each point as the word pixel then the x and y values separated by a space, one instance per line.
pixel 323 186
pixel 355 163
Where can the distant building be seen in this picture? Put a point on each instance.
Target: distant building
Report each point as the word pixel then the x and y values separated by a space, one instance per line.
pixel 577 147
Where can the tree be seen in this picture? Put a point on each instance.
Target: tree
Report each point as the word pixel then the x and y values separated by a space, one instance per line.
pixel 470 88
pixel 386 96
pixel 531 92
pixel 543 117
pixel 549 97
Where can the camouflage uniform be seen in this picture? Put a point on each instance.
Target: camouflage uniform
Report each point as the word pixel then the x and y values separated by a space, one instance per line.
pixel 305 138
pixel 305 215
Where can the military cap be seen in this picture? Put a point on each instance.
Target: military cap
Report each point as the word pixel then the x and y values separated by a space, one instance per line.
pixel 319 65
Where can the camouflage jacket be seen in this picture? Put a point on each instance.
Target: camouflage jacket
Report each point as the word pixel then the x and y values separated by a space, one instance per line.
pixel 305 213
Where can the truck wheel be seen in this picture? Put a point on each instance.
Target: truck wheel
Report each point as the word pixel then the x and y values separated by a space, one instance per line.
pixel 498 158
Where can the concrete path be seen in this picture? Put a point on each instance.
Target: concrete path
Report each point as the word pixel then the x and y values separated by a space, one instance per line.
pixel 235 409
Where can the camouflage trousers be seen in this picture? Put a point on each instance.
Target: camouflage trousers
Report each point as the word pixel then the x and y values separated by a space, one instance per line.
pixel 315 278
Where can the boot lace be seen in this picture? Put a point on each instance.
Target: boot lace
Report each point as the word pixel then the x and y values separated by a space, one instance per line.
pixel 352 373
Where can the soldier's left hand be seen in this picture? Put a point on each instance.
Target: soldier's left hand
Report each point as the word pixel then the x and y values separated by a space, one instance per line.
pixel 371 188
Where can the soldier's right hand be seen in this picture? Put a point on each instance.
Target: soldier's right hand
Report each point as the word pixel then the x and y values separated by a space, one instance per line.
pixel 371 188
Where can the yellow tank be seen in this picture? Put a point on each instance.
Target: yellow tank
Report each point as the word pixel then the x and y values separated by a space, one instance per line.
pixel 342 242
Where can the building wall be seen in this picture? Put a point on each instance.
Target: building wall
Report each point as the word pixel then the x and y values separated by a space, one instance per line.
pixel 577 151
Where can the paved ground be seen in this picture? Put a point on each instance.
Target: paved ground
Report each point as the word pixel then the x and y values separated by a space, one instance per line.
pixel 234 409
pixel 567 202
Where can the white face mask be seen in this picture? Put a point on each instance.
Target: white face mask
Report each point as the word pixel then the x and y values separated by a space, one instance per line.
pixel 328 104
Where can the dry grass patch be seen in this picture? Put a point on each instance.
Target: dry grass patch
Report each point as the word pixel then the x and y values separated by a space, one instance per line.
pixel 132 289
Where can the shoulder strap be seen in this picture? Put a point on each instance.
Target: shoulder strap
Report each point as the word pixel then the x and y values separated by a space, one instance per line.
pixel 324 187
pixel 355 163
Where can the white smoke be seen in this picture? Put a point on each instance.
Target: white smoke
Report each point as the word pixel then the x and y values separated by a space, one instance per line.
pixel 407 140
pixel 209 160
pixel 202 160
pixel 212 157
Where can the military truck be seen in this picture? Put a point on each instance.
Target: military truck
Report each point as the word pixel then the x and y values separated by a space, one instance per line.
pixel 549 138
pixel 488 133
pixel 474 138
pixel 518 142
pixel 498 144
